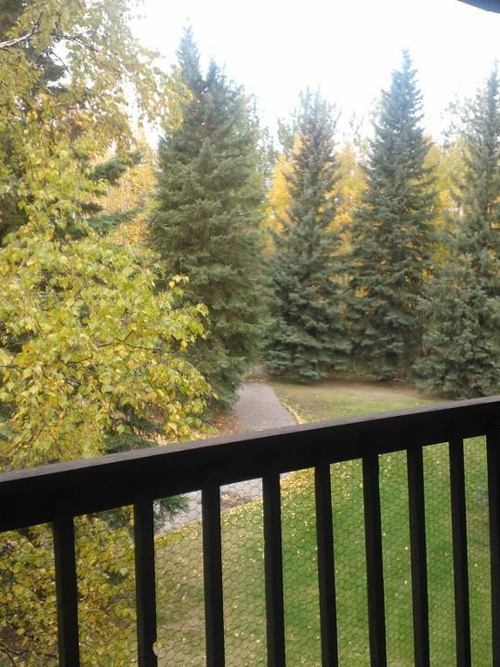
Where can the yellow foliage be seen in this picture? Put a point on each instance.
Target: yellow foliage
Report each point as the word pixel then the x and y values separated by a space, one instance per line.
pixel 349 190
pixel 277 201
pixel 85 337
pixel 132 193
pixel 447 165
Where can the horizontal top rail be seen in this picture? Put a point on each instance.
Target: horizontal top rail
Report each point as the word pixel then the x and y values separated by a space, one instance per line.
pixel 37 495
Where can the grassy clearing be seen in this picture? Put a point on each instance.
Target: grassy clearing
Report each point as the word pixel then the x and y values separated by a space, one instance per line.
pixel 330 400
pixel 180 600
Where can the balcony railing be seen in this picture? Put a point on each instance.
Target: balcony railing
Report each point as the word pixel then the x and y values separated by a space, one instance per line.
pixel 56 494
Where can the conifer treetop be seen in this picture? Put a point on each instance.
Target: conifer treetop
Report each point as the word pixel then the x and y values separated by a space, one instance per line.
pixel 188 58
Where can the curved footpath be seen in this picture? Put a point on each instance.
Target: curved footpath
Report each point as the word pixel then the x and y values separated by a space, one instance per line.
pixel 257 408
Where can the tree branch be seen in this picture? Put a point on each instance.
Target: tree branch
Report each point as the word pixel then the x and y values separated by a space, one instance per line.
pixel 9 43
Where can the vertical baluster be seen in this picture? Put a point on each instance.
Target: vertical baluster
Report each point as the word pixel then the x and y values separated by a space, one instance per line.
pixel 212 575
pixel 460 566
pixel 326 566
pixel 273 562
pixel 145 583
pixel 493 452
pixel 418 557
pixel 374 562
pixel 66 591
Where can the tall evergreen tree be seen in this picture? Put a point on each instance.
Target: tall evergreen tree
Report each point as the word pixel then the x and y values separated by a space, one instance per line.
pixel 461 344
pixel 391 234
pixel 207 220
pixel 306 338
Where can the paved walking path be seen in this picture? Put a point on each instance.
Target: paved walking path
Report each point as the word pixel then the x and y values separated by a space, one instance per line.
pixel 257 408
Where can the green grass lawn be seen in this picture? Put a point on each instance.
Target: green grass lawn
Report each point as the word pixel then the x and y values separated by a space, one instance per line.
pixel 180 596
pixel 331 400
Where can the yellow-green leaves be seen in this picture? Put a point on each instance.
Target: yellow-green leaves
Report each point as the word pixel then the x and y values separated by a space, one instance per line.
pixel 67 100
pixel 86 342
pixel 91 350
pixel 84 339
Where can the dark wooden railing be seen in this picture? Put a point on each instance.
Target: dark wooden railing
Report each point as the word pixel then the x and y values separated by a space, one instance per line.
pixel 57 493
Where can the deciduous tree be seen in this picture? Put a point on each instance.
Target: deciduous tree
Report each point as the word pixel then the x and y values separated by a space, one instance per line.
pixel 65 67
pixel 91 357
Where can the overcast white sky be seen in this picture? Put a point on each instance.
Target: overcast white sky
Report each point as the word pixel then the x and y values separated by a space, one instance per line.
pixel 276 48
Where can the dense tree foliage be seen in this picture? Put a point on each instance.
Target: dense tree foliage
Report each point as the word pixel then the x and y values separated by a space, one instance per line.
pixel 82 362
pixel 392 234
pixel 349 190
pixel 93 359
pixel 306 338
pixel 207 220
pixel 461 343
pixel 65 68
pixel 55 115
pixel 129 200
pixel 91 356
pixel 278 197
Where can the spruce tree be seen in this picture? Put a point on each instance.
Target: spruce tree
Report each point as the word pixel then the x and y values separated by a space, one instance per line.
pixel 306 339
pixel 392 235
pixel 207 220
pixel 461 343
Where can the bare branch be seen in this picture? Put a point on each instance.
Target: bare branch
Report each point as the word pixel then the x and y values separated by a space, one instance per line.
pixel 9 43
